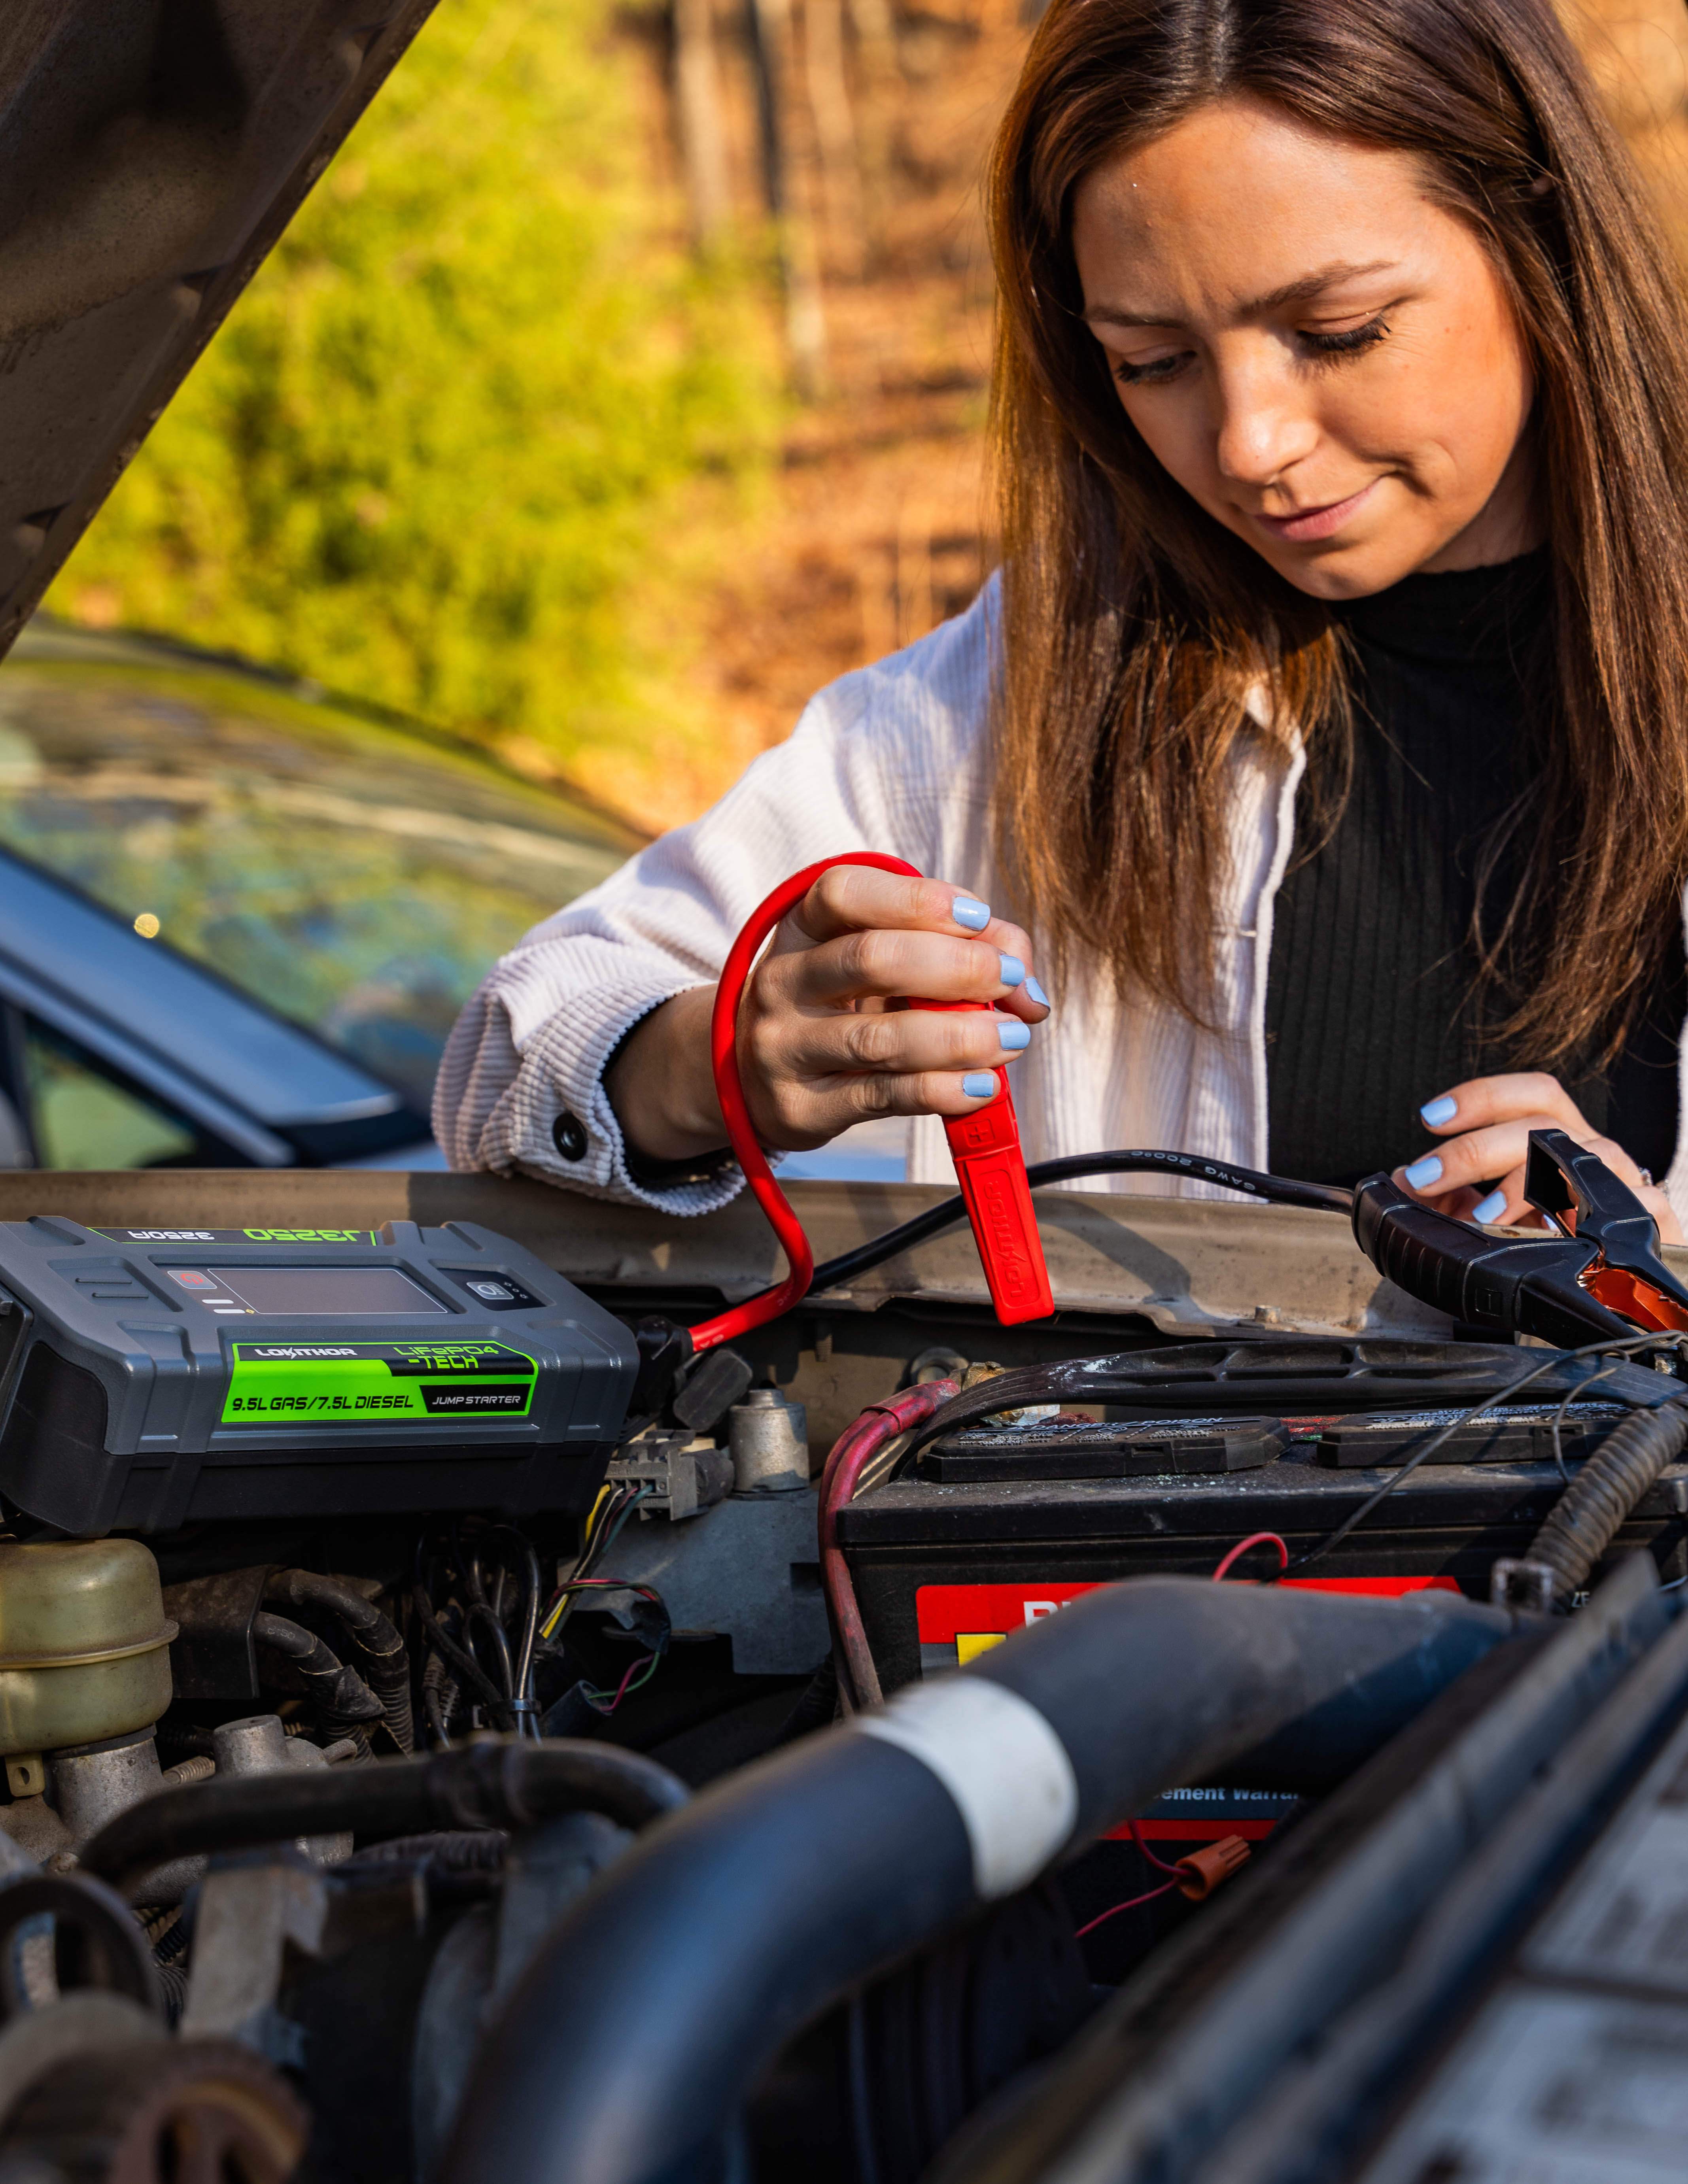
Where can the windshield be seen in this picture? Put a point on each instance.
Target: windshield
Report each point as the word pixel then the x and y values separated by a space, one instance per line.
pixel 356 878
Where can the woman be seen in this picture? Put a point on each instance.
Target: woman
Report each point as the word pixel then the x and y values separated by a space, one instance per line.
pixel 1328 725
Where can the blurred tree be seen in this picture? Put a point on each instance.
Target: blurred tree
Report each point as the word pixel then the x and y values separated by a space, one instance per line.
pixel 454 417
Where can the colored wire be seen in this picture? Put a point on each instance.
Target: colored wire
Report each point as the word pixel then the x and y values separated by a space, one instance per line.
pixel 741 1131
pixel 623 1500
pixel 612 1530
pixel 1159 1863
pixel 1255 1539
pixel 1130 1904
pixel 1137 1837
pixel 603 1701
pixel 603 1494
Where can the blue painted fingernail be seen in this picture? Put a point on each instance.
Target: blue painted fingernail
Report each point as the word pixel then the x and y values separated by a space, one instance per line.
pixel 979 1084
pixel 1013 971
pixel 1035 992
pixel 1014 1035
pixel 1424 1172
pixel 1493 1207
pixel 1435 1113
pixel 974 916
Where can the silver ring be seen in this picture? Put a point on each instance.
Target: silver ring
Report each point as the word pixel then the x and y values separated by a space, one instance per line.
pixel 1647 1177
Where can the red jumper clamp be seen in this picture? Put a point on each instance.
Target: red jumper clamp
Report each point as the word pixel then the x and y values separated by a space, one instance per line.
pixel 991 1170
pixel 984 1145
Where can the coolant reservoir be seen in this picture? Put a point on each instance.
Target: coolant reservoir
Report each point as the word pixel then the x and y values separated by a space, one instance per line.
pixel 84 1647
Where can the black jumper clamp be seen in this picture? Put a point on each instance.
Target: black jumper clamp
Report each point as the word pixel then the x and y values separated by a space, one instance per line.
pixel 1600 1274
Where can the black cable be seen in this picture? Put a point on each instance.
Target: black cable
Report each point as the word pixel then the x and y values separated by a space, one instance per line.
pixel 1605 1348
pixel 516 1705
pixel 1272 1189
pixel 482 1616
pixel 527 1702
pixel 465 1664
pixel 433 1706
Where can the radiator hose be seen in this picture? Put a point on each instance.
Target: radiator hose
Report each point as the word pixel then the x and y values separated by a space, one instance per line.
pixel 622 2054
pixel 1587 1516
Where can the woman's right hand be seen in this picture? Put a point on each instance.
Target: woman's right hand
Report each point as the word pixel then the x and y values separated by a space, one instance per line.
pixel 818 1047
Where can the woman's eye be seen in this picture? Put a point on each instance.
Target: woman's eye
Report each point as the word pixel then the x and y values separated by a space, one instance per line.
pixel 1348 341
pixel 1148 375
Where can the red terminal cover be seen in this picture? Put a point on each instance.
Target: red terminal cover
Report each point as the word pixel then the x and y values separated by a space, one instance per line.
pixel 991 1170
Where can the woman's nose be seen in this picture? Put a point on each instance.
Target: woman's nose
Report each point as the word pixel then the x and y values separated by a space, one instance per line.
pixel 1266 426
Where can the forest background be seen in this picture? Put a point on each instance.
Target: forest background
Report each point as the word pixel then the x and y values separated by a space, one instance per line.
pixel 625 378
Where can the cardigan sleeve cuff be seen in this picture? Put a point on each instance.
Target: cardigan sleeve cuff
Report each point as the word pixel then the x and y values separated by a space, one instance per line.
pixel 555 1122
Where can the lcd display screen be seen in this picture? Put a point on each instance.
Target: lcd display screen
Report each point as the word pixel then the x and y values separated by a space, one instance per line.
pixel 326 1292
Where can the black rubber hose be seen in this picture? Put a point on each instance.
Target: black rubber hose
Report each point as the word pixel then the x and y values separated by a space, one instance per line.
pixel 344 1703
pixel 622 2053
pixel 386 1664
pixel 1273 1190
pixel 478 1850
pixel 1586 1518
pixel 511 1785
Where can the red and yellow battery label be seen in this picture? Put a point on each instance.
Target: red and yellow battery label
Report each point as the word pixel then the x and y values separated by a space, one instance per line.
pixel 959 1622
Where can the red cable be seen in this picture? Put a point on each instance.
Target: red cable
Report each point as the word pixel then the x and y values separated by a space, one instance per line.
pixel 854 1447
pixel 1130 1904
pixel 757 1311
pixel 1255 1539
pixel 1137 1837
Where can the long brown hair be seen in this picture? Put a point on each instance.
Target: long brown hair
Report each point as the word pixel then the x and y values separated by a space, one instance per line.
pixel 1135 624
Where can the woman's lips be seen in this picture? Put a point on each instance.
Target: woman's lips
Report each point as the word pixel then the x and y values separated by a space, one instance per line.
pixel 1309 524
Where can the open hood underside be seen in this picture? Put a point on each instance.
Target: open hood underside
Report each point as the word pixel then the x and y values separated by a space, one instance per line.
pixel 151 152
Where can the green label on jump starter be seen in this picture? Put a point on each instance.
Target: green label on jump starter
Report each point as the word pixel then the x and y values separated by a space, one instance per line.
pixel 275 1384
pixel 240 1235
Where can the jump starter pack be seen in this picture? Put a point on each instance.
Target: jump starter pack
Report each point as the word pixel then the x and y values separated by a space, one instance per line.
pixel 152 1376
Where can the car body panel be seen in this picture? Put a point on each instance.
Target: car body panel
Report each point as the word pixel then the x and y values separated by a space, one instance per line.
pixel 87 973
pixel 151 153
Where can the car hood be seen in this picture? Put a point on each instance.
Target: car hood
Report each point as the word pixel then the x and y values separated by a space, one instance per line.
pixel 151 152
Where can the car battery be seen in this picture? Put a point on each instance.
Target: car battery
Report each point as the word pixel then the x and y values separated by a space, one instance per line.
pixel 991 1526
pixel 152 1376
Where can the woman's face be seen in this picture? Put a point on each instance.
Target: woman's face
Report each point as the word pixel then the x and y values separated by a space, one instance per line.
pixel 1320 355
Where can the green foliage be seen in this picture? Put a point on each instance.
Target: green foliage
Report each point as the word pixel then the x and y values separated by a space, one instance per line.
pixel 442 440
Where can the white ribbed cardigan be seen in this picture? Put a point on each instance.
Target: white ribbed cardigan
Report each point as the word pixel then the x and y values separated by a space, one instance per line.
pixel 894 757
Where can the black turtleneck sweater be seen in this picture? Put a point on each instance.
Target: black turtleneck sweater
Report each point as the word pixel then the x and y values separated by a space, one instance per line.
pixel 1370 1005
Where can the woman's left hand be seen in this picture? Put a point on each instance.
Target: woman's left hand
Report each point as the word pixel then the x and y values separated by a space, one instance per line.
pixel 1485 1126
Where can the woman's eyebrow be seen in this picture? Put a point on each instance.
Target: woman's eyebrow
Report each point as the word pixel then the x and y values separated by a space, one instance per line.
pixel 1293 291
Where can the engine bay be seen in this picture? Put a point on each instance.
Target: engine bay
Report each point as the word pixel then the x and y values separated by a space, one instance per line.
pixel 422 1762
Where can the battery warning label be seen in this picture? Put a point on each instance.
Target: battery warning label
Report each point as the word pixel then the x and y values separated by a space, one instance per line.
pixel 375 1383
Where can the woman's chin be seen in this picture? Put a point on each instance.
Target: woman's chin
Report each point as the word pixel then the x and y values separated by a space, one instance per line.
pixel 1344 568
